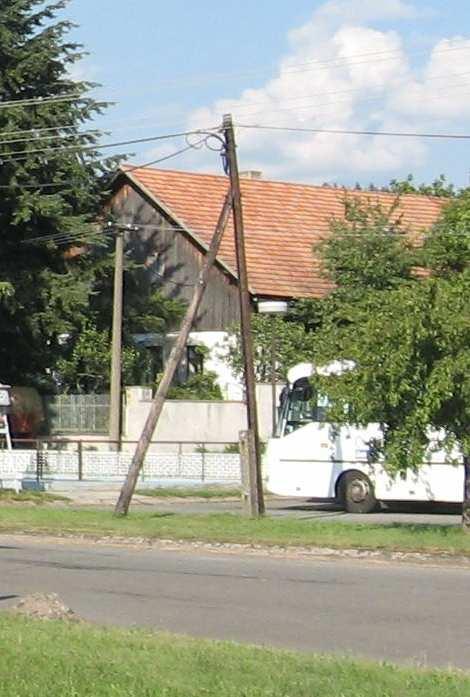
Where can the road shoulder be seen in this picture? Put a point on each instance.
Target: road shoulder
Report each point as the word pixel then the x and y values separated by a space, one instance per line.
pixel 143 544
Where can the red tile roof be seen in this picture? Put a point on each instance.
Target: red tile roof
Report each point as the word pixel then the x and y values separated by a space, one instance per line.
pixel 282 222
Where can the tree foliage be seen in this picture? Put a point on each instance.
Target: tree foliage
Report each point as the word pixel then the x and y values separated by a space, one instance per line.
pixel 86 367
pixel 53 183
pixel 439 187
pixel 200 386
pixel 48 184
pixel 409 339
pixel 291 343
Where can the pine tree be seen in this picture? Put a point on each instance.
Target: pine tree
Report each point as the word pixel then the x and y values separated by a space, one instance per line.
pixel 50 184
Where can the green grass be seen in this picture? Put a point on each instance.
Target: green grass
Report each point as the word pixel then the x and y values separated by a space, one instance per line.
pixel 218 527
pixel 207 492
pixel 51 659
pixel 37 497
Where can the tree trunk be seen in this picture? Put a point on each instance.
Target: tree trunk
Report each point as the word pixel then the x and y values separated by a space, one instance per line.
pixel 466 494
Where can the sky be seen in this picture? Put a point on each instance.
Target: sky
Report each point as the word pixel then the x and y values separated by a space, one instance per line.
pixel 376 65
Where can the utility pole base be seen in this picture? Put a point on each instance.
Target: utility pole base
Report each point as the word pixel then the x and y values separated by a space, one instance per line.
pixel 251 503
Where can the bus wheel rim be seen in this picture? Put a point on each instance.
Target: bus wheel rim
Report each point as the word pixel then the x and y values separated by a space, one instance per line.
pixel 359 490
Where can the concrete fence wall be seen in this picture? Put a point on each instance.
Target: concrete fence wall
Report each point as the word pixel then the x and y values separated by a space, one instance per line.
pixel 200 422
pixel 190 444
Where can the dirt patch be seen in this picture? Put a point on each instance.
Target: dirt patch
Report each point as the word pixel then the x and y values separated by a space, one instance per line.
pixel 45 606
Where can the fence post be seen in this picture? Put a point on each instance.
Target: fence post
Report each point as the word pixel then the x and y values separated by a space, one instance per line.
pixel 203 470
pixel 248 474
pixel 40 455
pixel 38 462
pixel 80 461
pixel 180 459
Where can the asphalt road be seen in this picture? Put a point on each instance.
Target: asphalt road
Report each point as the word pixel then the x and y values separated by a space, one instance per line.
pixel 393 512
pixel 408 513
pixel 396 612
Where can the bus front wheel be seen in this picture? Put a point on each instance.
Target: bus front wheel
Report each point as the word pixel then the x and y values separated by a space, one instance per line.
pixel 356 493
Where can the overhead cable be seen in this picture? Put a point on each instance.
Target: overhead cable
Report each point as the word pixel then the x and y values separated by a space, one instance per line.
pixel 25 154
pixel 337 131
pixel 40 101
pixel 82 134
pixel 292 68
pixel 128 169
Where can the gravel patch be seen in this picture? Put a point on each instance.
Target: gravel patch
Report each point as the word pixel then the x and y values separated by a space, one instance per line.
pixel 45 606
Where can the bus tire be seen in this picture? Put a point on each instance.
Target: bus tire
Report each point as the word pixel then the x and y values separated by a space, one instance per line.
pixel 356 493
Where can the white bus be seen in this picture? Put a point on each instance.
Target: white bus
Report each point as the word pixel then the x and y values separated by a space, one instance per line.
pixel 310 457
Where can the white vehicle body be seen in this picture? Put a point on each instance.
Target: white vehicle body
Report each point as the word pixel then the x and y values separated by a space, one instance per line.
pixel 310 457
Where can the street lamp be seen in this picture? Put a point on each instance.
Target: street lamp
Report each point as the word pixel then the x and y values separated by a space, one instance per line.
pixel 273 308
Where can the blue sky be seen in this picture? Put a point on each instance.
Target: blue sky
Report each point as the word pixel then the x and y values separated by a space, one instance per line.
pixel 347 64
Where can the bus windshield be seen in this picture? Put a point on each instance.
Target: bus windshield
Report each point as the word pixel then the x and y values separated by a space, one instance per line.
pixel 303 405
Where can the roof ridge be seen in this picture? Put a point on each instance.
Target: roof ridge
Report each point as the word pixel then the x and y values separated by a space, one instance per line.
pixel 260 182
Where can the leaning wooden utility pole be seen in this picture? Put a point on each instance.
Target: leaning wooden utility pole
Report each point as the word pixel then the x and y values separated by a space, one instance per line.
pixel 127 491
pixel 253 454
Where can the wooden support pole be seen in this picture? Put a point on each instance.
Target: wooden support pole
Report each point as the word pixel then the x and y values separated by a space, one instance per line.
pixel 116 344
pixel 248 474
pixel 245 310
pixel 127 491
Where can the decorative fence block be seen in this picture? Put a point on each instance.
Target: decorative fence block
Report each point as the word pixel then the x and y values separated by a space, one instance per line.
pixel 106 465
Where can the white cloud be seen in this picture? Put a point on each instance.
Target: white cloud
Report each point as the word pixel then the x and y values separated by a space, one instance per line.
pixel 342 73
pixel 443 90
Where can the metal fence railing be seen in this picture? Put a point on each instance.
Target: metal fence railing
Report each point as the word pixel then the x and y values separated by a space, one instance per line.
pixel 77 413
pixel 101 460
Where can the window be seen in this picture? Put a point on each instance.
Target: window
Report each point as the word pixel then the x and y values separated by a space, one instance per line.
pixel 303 406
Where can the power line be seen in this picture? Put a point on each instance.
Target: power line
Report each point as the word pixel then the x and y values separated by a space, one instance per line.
pixel 128 169
pixel 243 108
pixel 249 105
pixel 293 68
pixel 82 134
pixel 336 131
pixel 11 134
pixel 82 149
pixel 249 110
pixel 39 101
pixel 67 238
pixel 192 146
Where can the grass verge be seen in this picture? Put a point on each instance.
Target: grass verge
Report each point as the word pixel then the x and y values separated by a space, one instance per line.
pixel 52 659
pixel 236 529
pixel 37 497
pixel 208 492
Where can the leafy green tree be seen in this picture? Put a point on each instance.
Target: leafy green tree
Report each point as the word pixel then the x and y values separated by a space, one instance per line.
pixel 49 185
pixel 145 311
pixel 409 341
pixel 439 187
pixel 87 366
pixel 291 345
pixel 201 386
pixel 55 265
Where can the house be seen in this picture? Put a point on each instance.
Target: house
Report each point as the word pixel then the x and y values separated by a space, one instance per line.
pixel 178 211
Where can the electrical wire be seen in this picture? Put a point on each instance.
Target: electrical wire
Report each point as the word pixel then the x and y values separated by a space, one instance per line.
pixel 83 149
pixel 246 107
pixel 337 131
pixel 249 105
pixel 40 101
pixel 306 66
pixel 11 134
pixel 277 230
pixel 82 134
pixel 127 169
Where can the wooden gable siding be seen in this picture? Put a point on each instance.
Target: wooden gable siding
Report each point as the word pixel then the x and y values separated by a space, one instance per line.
pixel 169 251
